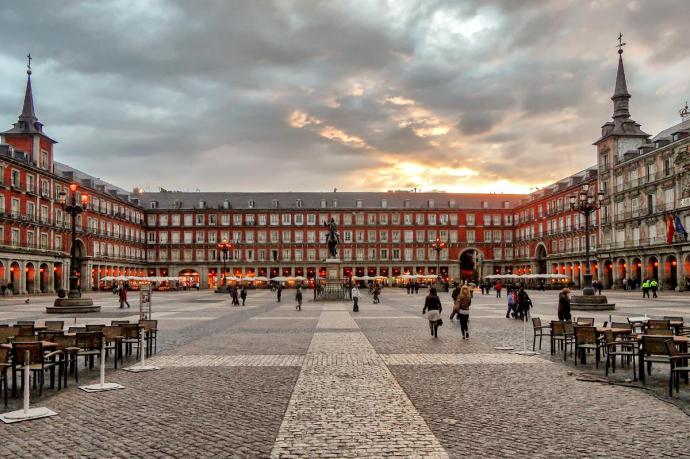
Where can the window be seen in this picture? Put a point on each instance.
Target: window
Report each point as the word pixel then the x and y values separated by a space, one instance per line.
pixel 199 219
pixel 359 204
pixel 383 219
pixel 287 219
pixel 335 203
pixel 469 219
pixel 407 219
pixel 188 220
pixel 274 219
pixel 384 203
pixel 311 219
pixel 16 180
pixel 299 219
pixel 409 235
pixel 470 235
pixel 432 219
pixel 262 220
pixel 187 237
pixel 44 160
pixel 175 220
pixel 251 204
pixel 419 219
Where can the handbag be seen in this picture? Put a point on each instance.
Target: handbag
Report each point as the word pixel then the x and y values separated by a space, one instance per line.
pixel 439 322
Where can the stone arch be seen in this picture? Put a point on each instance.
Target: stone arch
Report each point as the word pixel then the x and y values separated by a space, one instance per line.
pixel 15 272
pixel 30 277
pixel 540 255
pixel 470 263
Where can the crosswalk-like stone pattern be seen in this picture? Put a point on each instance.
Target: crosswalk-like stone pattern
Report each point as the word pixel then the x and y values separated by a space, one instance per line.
pixel 173 361
pixel 336 320
pixel 346 403
pixel 461 359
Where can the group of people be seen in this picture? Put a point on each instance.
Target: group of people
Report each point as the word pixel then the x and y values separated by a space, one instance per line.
pixel 649 285
pixel 236 294
pixel 412 287
pixel 462 299
pixel 519 303
pixel 7 289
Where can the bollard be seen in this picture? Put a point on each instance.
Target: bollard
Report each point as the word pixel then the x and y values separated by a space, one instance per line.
pixel 26 413
pixel 142 365
pixel 103 386
pixel 524 350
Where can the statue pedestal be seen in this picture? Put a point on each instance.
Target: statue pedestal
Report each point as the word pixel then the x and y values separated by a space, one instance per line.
pixel 333 290
pixel 590 303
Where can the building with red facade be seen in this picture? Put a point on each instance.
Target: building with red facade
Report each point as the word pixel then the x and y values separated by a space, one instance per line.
pixel 382 233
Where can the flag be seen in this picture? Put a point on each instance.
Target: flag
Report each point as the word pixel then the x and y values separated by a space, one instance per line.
pixel 670 229
pixel 680 229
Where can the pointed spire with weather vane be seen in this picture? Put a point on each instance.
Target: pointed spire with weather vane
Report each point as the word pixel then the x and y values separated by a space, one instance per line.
pixel 27 122
pixel 622 125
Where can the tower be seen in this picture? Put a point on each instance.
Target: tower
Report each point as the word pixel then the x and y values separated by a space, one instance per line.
pixel 27 133
pixel 620 140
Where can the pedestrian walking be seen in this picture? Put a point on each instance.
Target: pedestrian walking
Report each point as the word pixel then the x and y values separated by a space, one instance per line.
pixel 564 305
pixel 122 294
pixel 416 287
pixel 279 292
pixel 464 301
pixel 377 294
pixel 512 305
pixel 600 286
pixel 355 298
pixel 524 303
pixel 298 298
pixel 456 291
pixel 408 286
pixel 499 287
pixel 432 309
pixel 653 286
pixel 645 288
pixel 243 295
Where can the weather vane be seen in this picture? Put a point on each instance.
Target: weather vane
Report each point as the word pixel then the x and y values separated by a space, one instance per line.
pixel 685 112
pixel 28 66
pixel 620 43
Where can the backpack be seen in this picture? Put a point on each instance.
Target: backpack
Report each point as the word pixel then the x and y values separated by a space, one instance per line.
pixel 511 300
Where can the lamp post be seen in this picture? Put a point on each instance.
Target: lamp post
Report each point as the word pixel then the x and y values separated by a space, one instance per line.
pixel 73 208
pixel 224 247
pixel 586 203
pixel 74 301
pixel 438 246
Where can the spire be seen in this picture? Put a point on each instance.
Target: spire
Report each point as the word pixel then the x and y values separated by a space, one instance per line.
pixel 27 122
pixel 28 113
pixel 621 96
pixel 622 125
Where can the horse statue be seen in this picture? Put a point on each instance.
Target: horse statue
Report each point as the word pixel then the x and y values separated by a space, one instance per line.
pixel 332 238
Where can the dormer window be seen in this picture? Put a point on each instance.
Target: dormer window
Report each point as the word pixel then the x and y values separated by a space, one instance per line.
pixel 506 204
pixel 202 204
pixel 451 203
pixel 154 204
pixel 384 203
pixel 300 203
pixel 359 203
pixel 430 203
pixel 406 204
pixel 275 203
pixel 226 204
pixel 323 203
pixel 251 204
pixel 485 204
pixel 335 203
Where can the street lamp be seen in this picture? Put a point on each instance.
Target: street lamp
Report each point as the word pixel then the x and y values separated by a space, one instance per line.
pixel 438 246
pixel 73 208
pixel 586 204
pixel 224 247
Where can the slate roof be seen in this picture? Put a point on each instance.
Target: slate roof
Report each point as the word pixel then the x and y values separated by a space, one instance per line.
pixel 312 200
pixel 83 179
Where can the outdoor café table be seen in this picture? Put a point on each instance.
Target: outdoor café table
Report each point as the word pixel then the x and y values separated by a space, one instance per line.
pixel 47 345
pixel 615 331
pixel 680 341
pixel 676 325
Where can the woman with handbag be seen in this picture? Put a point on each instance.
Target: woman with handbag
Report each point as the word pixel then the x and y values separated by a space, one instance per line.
pixel 464 300
pixel 432 309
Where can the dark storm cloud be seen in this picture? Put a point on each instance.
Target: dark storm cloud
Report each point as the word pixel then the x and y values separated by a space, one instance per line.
pixel 293 94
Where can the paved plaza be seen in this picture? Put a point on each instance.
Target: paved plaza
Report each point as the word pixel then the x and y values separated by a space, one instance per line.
pixel 266 380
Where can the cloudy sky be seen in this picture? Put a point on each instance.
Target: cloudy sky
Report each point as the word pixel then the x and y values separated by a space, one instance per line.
pixel 305 95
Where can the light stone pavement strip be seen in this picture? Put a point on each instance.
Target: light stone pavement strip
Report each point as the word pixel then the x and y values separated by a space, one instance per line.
pixel 173 361
pixel 336 319
pixel 461 359
pixel 346 403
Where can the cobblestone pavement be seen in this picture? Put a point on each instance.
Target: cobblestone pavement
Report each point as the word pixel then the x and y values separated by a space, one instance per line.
pixel 267 380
